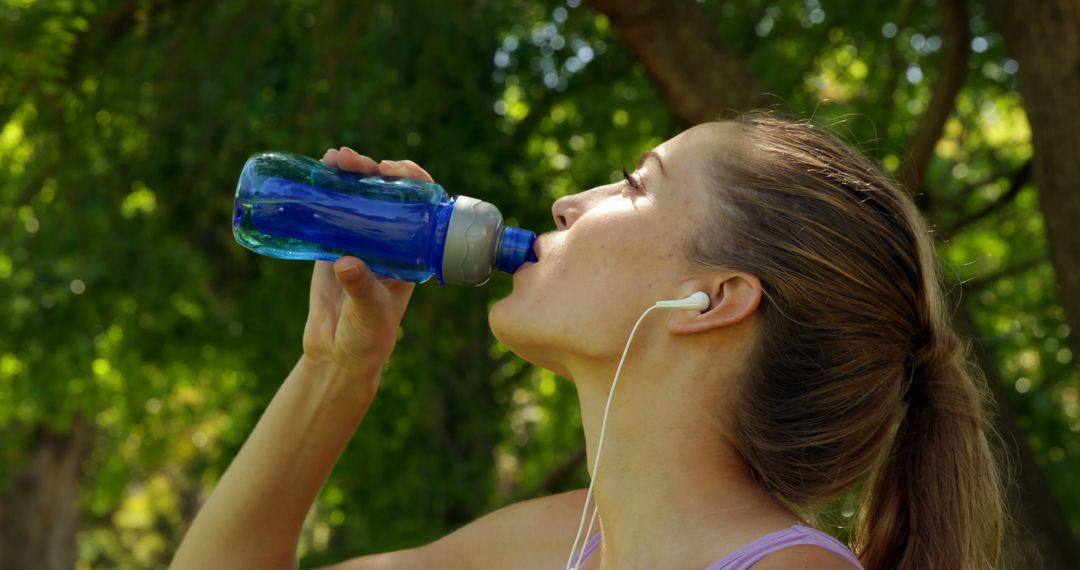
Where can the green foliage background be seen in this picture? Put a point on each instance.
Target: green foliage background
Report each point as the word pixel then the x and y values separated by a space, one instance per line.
pixel 124 301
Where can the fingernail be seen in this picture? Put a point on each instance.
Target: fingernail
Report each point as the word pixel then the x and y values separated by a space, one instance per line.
pixel 347 149
pixel 350 273
pixel 393 168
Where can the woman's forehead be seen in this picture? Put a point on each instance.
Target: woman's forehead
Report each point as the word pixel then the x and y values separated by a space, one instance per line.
pixel 699 139
pixel 687 154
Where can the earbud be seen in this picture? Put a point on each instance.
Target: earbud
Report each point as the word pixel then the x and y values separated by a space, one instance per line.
pixel 699 300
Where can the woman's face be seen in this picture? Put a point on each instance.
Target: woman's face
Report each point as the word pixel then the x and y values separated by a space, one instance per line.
pixel 616 250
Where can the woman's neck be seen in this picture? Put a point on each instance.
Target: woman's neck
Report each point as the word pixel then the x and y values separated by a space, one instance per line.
pixel 671 489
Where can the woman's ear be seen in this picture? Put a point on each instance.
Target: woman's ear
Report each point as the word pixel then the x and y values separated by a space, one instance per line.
pixel 733 297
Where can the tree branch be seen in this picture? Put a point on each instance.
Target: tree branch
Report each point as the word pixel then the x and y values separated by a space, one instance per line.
pixel 956 200
pixel 556 477
pixel 951 74
pixel 698 76
pixel 542 105
pixel 1009 271
pixel 1017 181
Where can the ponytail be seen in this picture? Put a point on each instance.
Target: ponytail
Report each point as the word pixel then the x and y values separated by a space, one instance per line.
pixel 936 501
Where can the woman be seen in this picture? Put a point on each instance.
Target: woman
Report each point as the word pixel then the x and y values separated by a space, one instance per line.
pixel 823 363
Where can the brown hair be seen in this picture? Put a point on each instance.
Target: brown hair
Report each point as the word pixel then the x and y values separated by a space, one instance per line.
pixel 857 376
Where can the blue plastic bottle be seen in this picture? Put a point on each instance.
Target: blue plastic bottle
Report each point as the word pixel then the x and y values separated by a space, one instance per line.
pixel 294 207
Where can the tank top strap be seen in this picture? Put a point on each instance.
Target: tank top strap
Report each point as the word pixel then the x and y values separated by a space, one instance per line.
pixel 590 546
pixel 752 553
pixel 797 535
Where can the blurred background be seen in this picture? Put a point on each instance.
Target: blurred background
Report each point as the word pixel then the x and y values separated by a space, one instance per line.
pixel 139 343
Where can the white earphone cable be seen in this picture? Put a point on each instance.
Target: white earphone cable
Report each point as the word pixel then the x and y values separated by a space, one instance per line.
pixel 599 446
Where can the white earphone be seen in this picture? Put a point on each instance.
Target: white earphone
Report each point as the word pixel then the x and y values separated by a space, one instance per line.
pixel 699 301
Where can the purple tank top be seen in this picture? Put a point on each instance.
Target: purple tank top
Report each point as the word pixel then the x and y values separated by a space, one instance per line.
pixel 750 554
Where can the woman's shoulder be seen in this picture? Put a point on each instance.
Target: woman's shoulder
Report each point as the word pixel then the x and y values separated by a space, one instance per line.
pixel 534 533
pixel 529 534
pixel 804 557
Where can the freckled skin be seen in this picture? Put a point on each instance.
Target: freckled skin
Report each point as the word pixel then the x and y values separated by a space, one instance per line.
pixel 613 253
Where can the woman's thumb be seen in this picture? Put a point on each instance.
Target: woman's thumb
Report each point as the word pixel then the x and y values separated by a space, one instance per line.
pixel 354 276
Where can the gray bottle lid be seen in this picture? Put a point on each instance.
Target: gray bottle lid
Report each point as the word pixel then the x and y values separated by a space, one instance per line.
pixel 472 242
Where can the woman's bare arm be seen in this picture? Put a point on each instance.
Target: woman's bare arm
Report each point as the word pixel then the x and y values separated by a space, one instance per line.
pixel 254 515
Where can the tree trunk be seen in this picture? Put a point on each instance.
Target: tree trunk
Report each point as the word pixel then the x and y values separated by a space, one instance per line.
pixel 699 79
pixel 697 74
pixel 39 512
pixel 1044 37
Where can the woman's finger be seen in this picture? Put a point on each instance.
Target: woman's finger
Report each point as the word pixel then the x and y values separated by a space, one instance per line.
pixel 355 278
pixel 330 158
pixel 404 168
pixel 349 159
pixel 400 292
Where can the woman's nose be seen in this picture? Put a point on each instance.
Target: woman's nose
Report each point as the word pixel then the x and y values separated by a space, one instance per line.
pixel 564 211
pixel 568 209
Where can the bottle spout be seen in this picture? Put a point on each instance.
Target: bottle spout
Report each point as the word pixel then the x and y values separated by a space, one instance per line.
pixel 515 248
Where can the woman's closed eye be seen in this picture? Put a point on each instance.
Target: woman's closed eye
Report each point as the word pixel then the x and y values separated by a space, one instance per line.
pixel 633 181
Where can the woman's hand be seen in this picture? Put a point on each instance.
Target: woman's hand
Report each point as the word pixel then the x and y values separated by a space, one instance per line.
pixel 354 314
pixel 351 330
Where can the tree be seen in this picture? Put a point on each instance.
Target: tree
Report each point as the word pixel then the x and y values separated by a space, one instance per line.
pixel 138 343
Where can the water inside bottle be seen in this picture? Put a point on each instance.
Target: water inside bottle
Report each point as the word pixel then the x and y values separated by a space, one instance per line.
pixel 290 220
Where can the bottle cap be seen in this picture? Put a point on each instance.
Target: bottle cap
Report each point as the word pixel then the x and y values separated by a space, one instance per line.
pixel 472 240
pixel 515 249
pixel 477 241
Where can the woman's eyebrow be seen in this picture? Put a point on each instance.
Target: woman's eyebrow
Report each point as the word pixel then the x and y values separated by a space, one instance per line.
pixel 655 155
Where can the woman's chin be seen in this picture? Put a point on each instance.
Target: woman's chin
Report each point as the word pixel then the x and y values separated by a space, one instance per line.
pixel 515 332
pixel 499 321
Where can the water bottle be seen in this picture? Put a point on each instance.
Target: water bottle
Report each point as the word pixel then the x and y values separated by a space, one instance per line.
pixel 291 206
